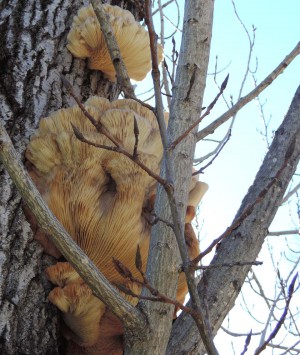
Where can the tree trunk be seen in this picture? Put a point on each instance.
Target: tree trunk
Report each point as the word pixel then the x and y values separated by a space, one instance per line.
pixel 33 54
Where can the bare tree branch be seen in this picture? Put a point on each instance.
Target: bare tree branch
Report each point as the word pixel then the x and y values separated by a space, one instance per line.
pixel 48 222
pixel 255 92
pixel 282 318
pixel 233 334
pixel 101 129
pixel 206 113
pixel 200 171
pixel 247 342
pixel 291 193
pixel 114 51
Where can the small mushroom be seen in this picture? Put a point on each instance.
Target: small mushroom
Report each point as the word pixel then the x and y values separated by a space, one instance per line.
pixel 86 40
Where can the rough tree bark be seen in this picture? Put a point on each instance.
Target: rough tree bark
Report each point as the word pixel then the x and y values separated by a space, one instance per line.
pixel 32 41
pixel 33 54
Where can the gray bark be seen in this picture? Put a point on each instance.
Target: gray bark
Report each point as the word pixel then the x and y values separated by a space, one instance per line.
pixel 33 54
pixel 163 260
pixel 245 242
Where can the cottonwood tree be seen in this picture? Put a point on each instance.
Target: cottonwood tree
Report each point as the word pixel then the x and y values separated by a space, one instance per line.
pixel 33 39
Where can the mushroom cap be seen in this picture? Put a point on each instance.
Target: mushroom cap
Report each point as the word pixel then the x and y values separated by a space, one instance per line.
pixel 97 194
pixel 86 40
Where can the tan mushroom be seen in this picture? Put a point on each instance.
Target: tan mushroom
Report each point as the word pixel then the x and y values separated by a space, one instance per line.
pixel 86 40
pixel 100 197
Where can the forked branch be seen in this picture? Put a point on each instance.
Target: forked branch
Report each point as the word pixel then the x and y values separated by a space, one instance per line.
pixel 254 93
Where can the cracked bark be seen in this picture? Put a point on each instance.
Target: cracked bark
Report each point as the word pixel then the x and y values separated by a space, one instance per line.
pixel 33 54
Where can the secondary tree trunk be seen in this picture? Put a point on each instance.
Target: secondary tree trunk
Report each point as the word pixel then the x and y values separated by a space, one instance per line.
pixel 244 242
pixel 33 54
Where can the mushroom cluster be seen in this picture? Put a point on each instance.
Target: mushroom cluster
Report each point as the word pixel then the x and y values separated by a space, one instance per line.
pixel 102 198
pixel 86 40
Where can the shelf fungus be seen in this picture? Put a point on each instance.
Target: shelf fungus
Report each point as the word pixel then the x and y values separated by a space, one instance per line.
pixel 104 200
pixel 86 40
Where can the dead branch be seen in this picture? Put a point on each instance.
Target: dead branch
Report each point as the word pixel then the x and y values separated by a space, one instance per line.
pixel 282 318
pixel 114 51
pixel 174 58
pixel 206 113
pixel 254 93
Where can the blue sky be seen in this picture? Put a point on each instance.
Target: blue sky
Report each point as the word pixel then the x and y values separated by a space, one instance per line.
pixel 277 32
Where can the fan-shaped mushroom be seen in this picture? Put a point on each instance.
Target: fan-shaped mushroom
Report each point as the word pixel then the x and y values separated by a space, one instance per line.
pixel 86 40
pixel 100 197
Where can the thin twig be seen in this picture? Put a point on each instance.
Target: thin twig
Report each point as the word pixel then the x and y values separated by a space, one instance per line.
pixel 290 193
pixel 142 103
pixel 282 318
pixel 158 297
pixel 169 74
pixel 206 113
pixel 163 6
pixel 200 171
pixel 248 210
pixel 121 150
pixel 155 219
pixel 101 129
pixel 254 93
pixel 247 342
pixel 237 263
pixel 113 48
pixel 278 233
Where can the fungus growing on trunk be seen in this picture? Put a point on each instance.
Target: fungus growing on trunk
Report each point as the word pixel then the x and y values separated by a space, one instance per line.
pixel 86 40
pixel 100 196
